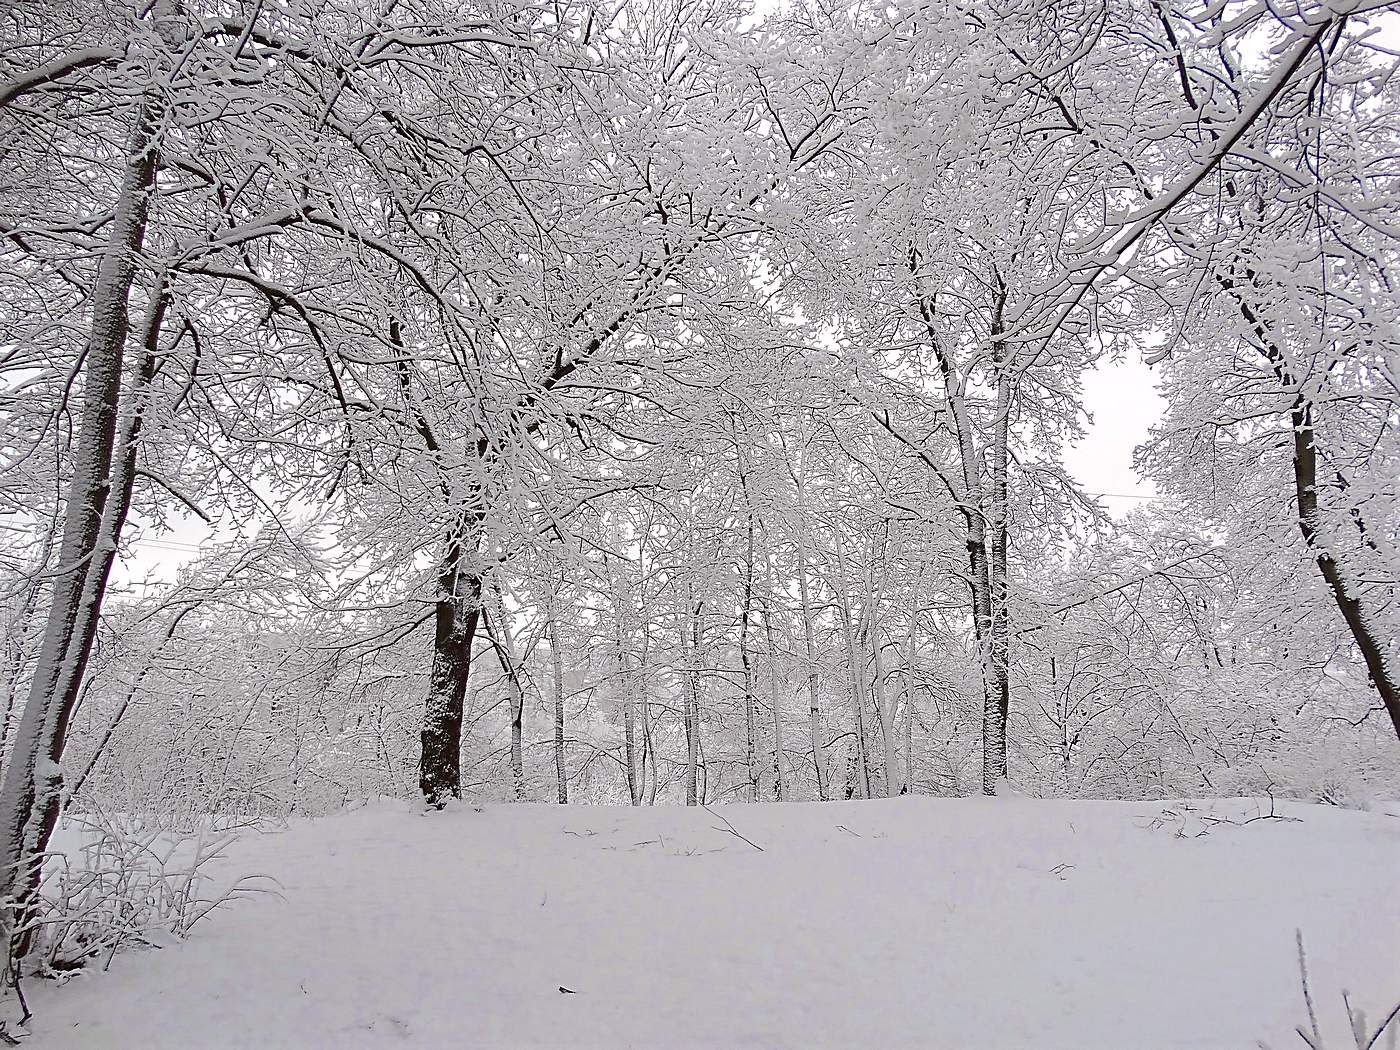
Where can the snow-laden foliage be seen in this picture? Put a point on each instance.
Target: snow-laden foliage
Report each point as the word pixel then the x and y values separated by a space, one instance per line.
pixel 120 884
pixel 667 401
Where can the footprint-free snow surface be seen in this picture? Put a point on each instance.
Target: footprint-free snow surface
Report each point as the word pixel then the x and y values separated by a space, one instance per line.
pixel 997 923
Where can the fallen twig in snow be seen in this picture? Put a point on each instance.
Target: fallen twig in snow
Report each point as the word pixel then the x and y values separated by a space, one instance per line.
pixel 731 829
pixel 1209 821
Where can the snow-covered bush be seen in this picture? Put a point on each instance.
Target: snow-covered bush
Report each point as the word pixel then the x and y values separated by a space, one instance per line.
pixel 117 882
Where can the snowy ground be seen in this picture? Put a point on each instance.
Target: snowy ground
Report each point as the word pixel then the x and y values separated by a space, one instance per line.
pixel 996 923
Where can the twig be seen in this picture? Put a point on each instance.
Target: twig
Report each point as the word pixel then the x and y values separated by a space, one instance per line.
pixel 1394 1013
pixel 732 830
pixel 24 1004
pixel 1315 1042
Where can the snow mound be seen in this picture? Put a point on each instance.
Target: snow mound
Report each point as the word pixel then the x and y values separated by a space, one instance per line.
pixel 998 923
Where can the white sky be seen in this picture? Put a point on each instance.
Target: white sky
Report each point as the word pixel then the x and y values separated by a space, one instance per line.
pixel 1123 400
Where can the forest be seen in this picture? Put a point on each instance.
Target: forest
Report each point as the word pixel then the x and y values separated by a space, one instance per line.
pixel 647 403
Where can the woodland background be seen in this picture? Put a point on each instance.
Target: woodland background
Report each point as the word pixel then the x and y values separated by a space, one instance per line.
pixel 667 403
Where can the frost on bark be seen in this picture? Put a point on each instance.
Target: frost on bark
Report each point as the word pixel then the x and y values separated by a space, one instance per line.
pixel 745 660
pixel 855 672
pixel 556 661
pixel 504 644
pixel 644 710
pixel 908 693
pixel 96 502
pixel 879 687
pixel 692 705
pixel 774 697
pixel 814 711
pixel 1347 596
pixel 998 701
pixel 629 721
pixel 983 508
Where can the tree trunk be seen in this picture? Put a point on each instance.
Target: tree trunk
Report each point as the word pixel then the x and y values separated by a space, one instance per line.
pixel 999 702
pixel 648 743
pixel 629 716
pixel 814 711
pixel 504 644
pixel 974 511
pixel 691 655
pixel 1348 600
pixel 750 743
pixel 993 723
pixel 458 610
pixel 879 687
pixel 855 672
pixel 773 695
pixel 909 705
pixel 879 692
pixel 96 504
pixel 557 666
pixel 1344 593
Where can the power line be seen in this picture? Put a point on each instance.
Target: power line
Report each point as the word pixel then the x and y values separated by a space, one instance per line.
pixel 177 545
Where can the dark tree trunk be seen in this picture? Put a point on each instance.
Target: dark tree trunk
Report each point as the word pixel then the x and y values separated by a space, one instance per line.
pixel 1348 599
pixel 458 610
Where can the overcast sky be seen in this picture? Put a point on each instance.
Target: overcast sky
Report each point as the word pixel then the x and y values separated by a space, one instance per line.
pixel 1124 402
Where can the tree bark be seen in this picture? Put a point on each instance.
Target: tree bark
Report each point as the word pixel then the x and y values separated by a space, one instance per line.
pixel 879 687
pixel 976 514
pixel 745 610
pixel 648 742
pixel 458 610
pixel 97 502
pixel 629 713
pixel 998 703
pixel 909 650
pixel 691 655
pixel 556 660
pixel 855 672
pixel 814 711
pixel 775 704
pixel 1348 599
pixel 504 644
